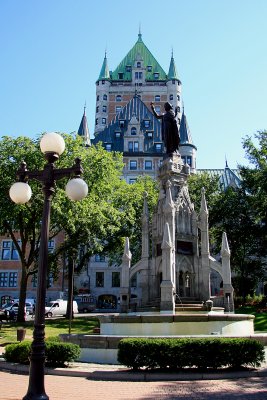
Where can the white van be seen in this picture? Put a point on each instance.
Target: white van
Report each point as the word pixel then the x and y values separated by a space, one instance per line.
pixel 59 307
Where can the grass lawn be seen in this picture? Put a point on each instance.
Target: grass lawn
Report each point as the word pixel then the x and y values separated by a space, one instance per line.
pixel 53 327
pixel 260 322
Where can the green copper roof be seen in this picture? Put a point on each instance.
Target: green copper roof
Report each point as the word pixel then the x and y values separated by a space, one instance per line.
pixel 139 52
pixel 172 74
pixel 104 73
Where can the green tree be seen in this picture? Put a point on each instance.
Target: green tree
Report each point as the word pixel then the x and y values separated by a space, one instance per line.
pixel 93 222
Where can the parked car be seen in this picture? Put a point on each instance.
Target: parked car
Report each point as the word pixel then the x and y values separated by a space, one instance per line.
pixel 11 310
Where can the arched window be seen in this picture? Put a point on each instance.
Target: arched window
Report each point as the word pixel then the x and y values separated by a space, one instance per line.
pixel 118 97
pixel 133 130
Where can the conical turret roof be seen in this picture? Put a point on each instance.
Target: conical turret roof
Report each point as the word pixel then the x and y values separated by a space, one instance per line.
pixel 104 73
pixel 83 130
pixel 172 74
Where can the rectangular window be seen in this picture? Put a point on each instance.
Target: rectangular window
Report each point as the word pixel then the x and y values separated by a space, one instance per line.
pixel 3 279
pixel 130 147
pixel 99 258
pixel 104 120
pixel 149 68
pixel 96 121
pixel 117 134
pixel 136 146
pixel 6 250
pixel 34 281
pixel 120 74
pixel 148 164
pixel 132 180
pixel 121 122
pixel 108 146
pixel 116 279
pixel 13 279
pixel 118 109
pixel 104 108
pixel 128 68
pixel 133 164
pixel 184 247
pixel 158 147
pixel 51 245
pixel 149 135
pixel 156 75
pixel 157 98
pixel 99 279
pixel 146 123
pixel 97 109
pixel 189 161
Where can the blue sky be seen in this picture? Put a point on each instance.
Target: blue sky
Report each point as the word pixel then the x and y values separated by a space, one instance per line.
pixel 52 52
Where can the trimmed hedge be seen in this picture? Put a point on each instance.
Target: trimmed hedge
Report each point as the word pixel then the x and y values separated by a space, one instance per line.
pixel 57 354
pixel 180 353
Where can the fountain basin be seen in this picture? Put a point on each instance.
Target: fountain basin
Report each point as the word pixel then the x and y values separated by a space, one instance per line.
pixel 103 348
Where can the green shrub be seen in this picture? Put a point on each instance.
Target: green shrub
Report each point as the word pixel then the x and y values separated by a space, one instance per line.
pixel 57 354
pixel 180 353
pixel 18 352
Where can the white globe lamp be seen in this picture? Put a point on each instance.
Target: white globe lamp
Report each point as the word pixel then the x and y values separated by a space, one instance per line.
pixel 52 142
pixel 20 192
pixel 76 189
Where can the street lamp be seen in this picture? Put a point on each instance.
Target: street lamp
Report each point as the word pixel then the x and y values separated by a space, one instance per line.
pixel 52 146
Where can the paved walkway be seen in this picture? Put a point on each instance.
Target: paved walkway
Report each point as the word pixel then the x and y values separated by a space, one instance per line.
pixel 14 387
pixel 85 381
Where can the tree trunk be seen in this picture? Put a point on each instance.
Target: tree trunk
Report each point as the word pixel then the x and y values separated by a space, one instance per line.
pixel 22 294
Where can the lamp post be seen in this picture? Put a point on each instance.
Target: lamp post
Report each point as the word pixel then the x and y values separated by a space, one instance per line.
pixel 52 145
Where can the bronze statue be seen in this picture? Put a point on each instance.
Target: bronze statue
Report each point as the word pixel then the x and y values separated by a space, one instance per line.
pixel 170 132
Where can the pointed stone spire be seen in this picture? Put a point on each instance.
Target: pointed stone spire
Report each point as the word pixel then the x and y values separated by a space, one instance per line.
pixel 168 202
pixel 127 255
pixel 172 74
pixel 104 73
pixel 225 250
pixel 83 130
pixel 145 229
pixel 166 242
pixel 203 207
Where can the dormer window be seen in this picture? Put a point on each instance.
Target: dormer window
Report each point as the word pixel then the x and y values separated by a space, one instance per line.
pixel 156 75
pixel 128 68
pixel 118 97
pixel 133 130
pixel 146 123
pixel 108 146
pixel 149 135
pixel 157 98
pixel 120 74
pixel 121 123
pixel 138 64
pixel 158 147
pixel 117 134
pixel 149 68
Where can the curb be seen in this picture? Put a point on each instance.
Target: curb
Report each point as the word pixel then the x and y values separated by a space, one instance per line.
pixel 101 373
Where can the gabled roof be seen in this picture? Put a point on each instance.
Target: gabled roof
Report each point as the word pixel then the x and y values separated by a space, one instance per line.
pixel 172 74
pixel 83 130
pixel 227 176
pixel 104 73
pixel 134 110
pixel 140 52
